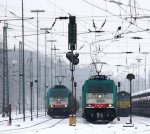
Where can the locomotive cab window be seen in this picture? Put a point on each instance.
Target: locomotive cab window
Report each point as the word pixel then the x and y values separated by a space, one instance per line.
pixel 99 93
pixel 96 88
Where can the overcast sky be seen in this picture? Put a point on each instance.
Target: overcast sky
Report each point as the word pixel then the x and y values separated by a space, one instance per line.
pixel 113 18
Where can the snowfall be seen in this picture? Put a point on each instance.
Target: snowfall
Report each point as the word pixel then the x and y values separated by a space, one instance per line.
pixel 46 125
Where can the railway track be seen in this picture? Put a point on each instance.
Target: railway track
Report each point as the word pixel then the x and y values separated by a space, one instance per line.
pixel 32 128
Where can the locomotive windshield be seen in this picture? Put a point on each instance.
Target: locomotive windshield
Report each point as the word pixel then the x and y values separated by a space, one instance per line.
pixel 99 94
pixel 99 88
pixel 123 97
pixel 59 97
pixel 60 94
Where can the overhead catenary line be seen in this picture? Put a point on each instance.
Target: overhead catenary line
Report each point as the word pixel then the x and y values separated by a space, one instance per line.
pixel 112 14
pixel 54 4
pixel 120 3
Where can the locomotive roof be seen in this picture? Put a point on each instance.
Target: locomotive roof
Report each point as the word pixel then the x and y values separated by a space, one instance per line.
pixel 98 77
pixel 60 86
pixel 142 95
pixel 123 92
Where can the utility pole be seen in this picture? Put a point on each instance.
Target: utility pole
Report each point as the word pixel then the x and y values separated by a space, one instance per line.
pixel 55 61
pixel 133 85
pixel 138 60
pixel 149 78
pixel 60 66
pixel 51 62
pixel 118 106
pixel 45 71
pixel 5 72
pixel 40 90
pixel 31 84
pixel 23 68
pixel 37 11
pixel 145 66
pixel 5 57
pixel 20 76
pixel 23 65
pixel 75 95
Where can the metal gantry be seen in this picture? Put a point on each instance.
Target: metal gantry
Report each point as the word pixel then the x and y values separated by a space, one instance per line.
pixel 5 72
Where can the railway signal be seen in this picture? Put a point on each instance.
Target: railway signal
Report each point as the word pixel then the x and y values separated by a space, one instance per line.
pixel 73 58
pixel 72 33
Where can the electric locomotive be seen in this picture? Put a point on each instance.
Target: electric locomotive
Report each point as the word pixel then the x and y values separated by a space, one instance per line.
pixel 59 101
pixel 123 109
pixel 99 99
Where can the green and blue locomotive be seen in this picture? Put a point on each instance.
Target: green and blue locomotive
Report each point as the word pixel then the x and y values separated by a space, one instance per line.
pixel 59 101
pixel 99 99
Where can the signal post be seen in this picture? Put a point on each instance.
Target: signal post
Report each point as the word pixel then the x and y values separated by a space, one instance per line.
pixel 73 58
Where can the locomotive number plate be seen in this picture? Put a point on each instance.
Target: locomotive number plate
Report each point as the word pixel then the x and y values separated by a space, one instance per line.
pixel 100 101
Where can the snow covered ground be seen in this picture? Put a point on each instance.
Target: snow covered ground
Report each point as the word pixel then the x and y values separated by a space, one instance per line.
pixel 47 125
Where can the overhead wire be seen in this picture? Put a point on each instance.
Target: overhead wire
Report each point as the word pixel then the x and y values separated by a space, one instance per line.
pixel 54 4
pixel 66 12
pixel 127 5
pixel 111 13
pixel 142 31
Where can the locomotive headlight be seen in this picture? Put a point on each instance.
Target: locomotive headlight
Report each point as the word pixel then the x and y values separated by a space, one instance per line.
pixel 89 105
pixel 65 105
pixel 99 96
pixel 51 105
pixel 110 105
pixel 129 105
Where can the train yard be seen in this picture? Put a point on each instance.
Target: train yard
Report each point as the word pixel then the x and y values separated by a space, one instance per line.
pixel 93 77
